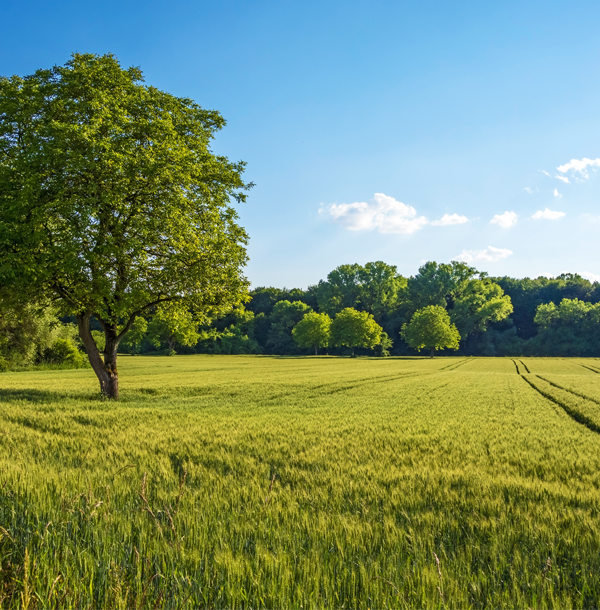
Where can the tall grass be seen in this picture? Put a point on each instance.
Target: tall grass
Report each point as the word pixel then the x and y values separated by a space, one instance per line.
pixel 300 482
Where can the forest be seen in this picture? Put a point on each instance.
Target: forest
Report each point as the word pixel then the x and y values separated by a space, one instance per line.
pixel 495 316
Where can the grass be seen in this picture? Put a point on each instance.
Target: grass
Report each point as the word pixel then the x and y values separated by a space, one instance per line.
pixel 245 481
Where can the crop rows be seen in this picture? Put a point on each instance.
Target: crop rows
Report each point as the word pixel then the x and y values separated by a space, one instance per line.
pixel 303 482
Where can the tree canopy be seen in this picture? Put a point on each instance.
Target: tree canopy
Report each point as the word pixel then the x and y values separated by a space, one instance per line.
pixel 352 328
pixel 314 330
pixel 112 203
pixel 431 328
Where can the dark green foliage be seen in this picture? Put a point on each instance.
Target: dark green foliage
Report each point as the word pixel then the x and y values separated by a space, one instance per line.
pixel 34 336
pixel 233 334
pixel 527 294
pixel 284 317
pixel 570 329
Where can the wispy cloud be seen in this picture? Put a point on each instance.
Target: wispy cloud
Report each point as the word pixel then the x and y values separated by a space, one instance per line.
pixel 528 190
pixel 382 212
pixel 563 178
pixel 450 219
pixel 508 219
pixel 545 172
pixel 548 215
pixel 579 166
pixel 593 277
pixel 489 255
pixel 557 194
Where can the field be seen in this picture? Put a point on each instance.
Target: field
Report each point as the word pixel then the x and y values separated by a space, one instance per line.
pixel 245 481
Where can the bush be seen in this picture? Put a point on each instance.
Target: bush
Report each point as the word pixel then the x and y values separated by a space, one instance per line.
pixel 63 351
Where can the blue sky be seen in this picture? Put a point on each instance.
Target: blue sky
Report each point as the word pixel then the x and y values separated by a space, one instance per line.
pixel 394 131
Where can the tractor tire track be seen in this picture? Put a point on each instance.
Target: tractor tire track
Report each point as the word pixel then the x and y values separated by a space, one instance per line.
pixel 572 413
pixel 595 400
pixel 455 365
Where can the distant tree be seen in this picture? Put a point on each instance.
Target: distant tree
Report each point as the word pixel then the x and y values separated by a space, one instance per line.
pixel 136 335
pixel 342 289
pixel 480 303
pixel 111 201
pixel 527 294
pixel 31 334
pixel 352 328
pixel 284 317
pixel 571 328
pixel 314 330
pixel 173 326
pixel 264 299
pixel 376 288
pixel 382 289
pixel 439 284
pixel 431 328
pixel 382 349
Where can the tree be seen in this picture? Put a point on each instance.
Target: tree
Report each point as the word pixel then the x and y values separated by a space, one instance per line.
pixel 284 317
pixel 480 303
pixel 342 289
pixel 375 288
pixel 172 325
pixel 352 328
pixel 136 335
pixel 381 289
pixel 314 330
pixel 439 284
pixel 382 349
pixel 570 329
pixel 112 203
pixel 431 328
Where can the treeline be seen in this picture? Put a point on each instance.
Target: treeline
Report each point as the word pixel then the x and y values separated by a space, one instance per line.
pixel 494 316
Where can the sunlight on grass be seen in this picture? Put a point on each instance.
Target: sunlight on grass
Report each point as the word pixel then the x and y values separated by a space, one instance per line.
pixel 230 481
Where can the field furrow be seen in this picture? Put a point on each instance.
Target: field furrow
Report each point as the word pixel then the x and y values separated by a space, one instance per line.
pixel 238 481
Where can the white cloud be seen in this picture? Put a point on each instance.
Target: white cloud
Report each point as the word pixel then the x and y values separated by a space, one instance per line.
pixel 563 178
pixel 557 194
pixel 593 277
pixel 382 212
pixel 528 190
pixel 548 215
pixel 545 172
pixel 489 254
pixel 580 166
pixel 508 219
pixel 450 219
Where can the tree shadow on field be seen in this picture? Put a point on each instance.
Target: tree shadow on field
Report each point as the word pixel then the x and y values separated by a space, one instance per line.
pixel 43 396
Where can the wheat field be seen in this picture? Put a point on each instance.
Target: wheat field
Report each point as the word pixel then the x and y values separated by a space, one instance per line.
pixel 249 482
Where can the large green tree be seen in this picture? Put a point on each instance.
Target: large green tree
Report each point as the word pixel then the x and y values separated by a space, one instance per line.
pixel 314 330
pixel 439 284
pixel 431 328
pixel 377 288
pixel 111 201
pixel 480 303
pixel 352 328
pixel 173 326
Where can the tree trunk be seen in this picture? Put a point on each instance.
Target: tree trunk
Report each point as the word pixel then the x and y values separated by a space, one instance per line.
pixel 106 370
pixel 316 353
pixel 432 351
